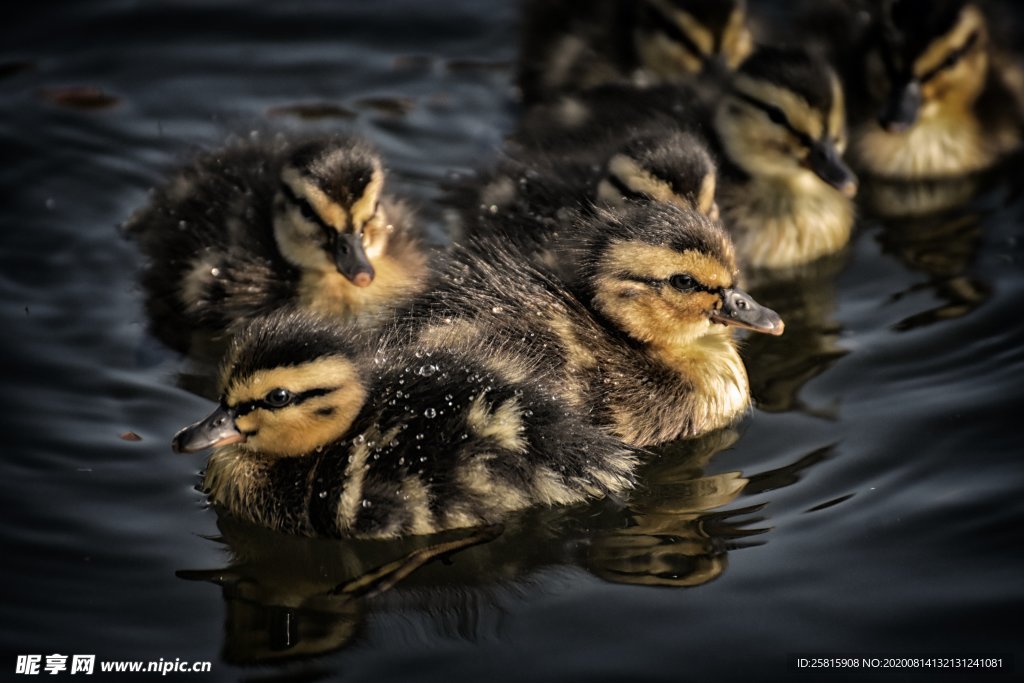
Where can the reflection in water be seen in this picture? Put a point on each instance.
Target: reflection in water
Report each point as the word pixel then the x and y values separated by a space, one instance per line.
pixel 289 597
pixel 669 536
pixel 900 200
pixel 943 248
pixel 780 366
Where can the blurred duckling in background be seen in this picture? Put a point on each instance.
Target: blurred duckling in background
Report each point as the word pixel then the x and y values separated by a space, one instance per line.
pixel 778 128
pixel 786 192
pixel 572 45
pixel 266 223
pixel 315 437
pixel 530 193
pixel 947 103
pixel 642 342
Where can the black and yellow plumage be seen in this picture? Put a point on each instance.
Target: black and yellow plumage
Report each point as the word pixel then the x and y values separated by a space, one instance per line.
pixel 266 223
pixel 323 432
pixel 944 100
pixel 531 192
pixel 639 342
pixel 777 130
pixel 574 45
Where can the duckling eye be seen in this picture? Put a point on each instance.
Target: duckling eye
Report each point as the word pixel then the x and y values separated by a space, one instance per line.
pixel 278 398
pixel 683 283
pixel 307 212
pixel 776 116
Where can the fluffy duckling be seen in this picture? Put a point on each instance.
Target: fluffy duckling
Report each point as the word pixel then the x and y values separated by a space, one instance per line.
pixel 265 223
pixel 778 128
pixel 572 45
pixel 642 343
pixel 945 103
pixel 319 433
pixel 530 192
pixel 786 194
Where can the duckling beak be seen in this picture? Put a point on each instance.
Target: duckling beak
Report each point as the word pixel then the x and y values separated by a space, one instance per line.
pixel 740 310
pixel 900 112
pixel 825 161
pixel 351 259
pixel 218 429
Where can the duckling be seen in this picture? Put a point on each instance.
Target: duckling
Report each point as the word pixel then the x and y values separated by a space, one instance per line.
pixel 640 341
pixel 778 128
pixel 265 223
pixel 530 193
pixel 322 432
pixel 947 103
pixel 570 45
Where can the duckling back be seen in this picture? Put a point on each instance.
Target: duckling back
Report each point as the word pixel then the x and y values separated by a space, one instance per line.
pixel 443 439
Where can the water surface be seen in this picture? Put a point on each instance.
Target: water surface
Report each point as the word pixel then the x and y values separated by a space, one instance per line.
pixel 870 504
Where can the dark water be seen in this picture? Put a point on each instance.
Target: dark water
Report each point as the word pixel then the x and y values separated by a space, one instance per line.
pixel 871 504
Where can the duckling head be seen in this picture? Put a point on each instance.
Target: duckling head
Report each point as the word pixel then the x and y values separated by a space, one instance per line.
pixel 288 387
pixel 931 56
pixel 684 37
pixel 783 116
pixel 327 210
pixel 666 276
pixel 674 168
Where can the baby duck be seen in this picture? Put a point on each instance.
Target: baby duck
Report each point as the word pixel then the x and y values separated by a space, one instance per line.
pixel 786 192
pixel 262 224
pixel 320 432
pixel 530 192
pixel 946 104
pixel 642 342
pixel 572 45
pixel 778 128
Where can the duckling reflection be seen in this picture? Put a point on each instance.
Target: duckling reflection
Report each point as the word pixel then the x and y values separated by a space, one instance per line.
pixel 676 533
pixel 807 295
pixel 667 539
pixel 290 597
pixel 943 248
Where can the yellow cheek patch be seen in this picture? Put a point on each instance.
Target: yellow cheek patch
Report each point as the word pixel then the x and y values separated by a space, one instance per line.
pixel 800 115
pixel 837 116
pixel 696 31
pixel 365 206
pixel 737 41
pixel 323 373
pixel 661 263
pixel 706 198
pixel 330 212
pixel 970 20
pixel 630 174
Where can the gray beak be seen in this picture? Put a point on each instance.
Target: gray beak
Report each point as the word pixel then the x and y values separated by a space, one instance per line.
pixel 351 260
pixel 826 162
pixel 218 429
pixel 900 112
pixel 740 310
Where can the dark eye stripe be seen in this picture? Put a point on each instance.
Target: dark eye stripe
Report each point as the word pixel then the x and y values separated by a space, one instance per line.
pixel 624 189
pixel 777 116
pixel 308 212
pixel 952 58
pixel 692 285
pixel 672 31
pixel 246 408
